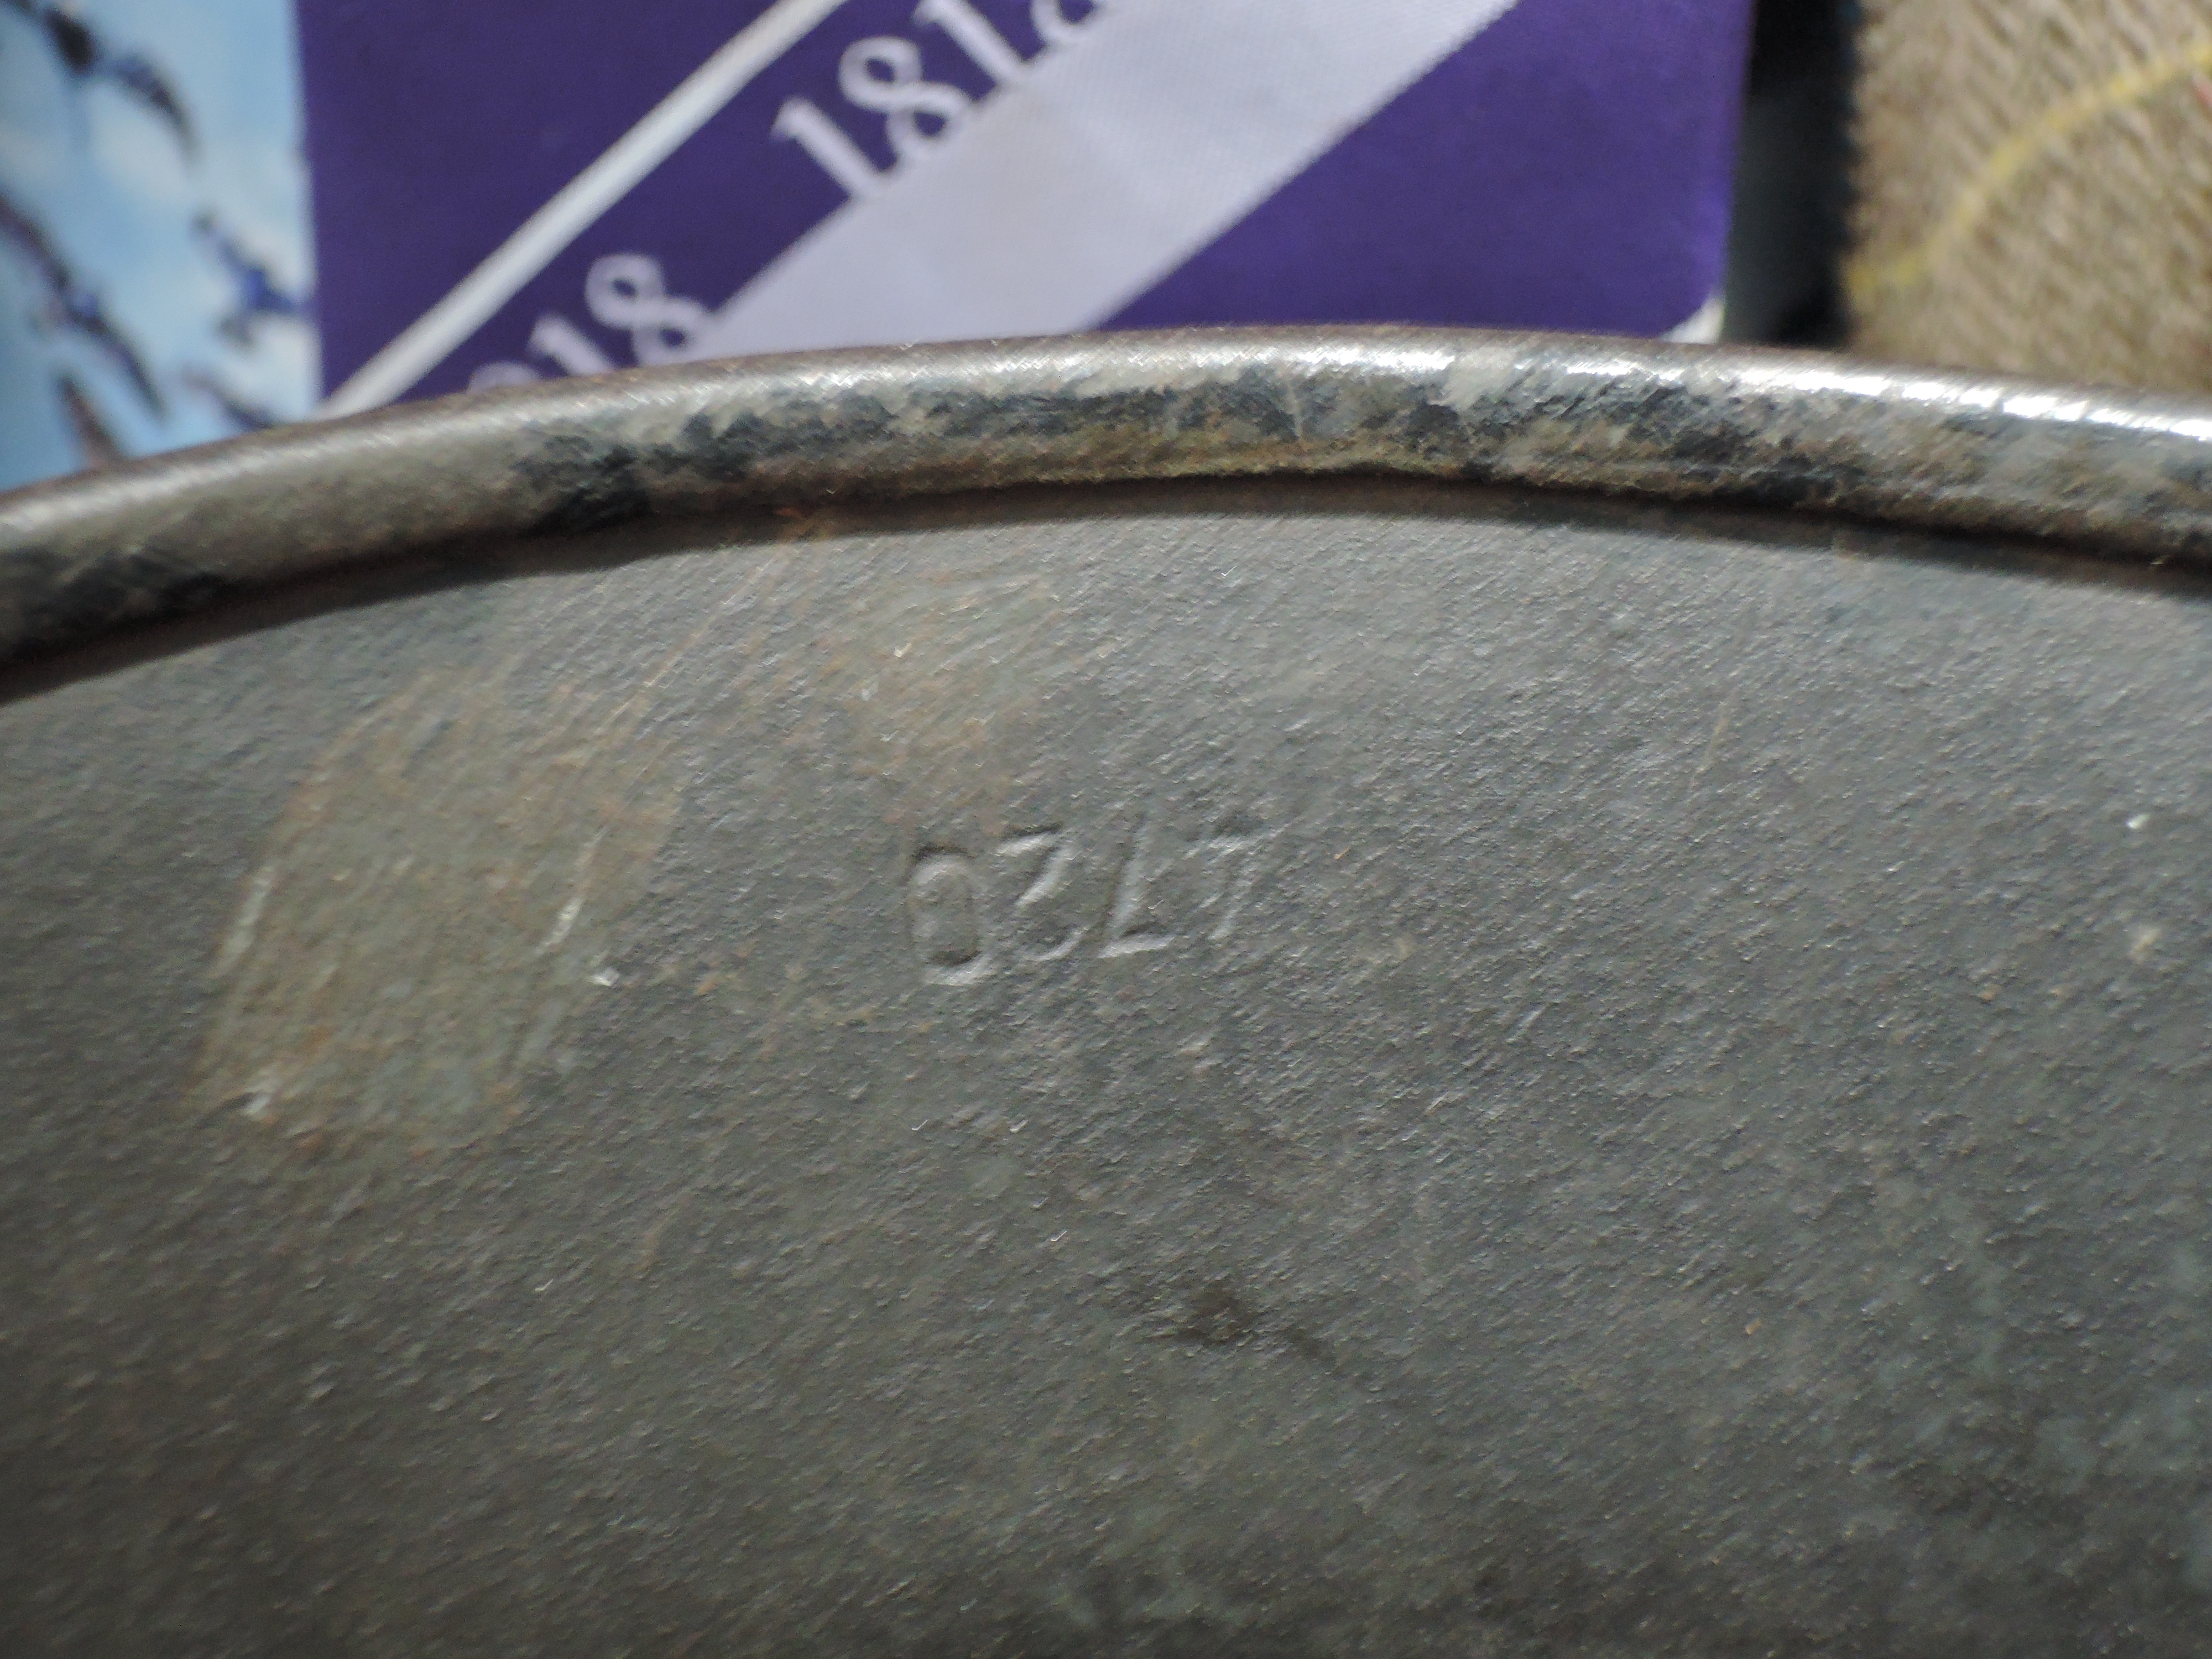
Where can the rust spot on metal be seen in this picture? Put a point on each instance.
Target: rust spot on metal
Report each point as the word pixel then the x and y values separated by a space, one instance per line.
pixel 438 895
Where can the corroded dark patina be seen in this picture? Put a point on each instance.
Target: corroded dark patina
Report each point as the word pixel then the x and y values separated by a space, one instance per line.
pixel 2128 474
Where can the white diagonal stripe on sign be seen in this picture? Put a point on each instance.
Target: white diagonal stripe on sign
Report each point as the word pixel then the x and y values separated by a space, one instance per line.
pixel 1119 155
pixel 547 233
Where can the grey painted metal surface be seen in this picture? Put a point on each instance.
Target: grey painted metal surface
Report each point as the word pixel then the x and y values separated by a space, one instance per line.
pixel 1287 1065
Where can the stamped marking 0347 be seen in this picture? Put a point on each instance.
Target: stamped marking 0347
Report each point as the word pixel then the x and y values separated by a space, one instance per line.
pixel 1037 897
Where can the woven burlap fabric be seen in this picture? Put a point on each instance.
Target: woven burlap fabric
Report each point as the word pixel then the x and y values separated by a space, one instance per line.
pixel 2034 188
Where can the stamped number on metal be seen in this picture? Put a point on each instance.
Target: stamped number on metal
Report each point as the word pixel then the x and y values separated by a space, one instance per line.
pixel 1024 903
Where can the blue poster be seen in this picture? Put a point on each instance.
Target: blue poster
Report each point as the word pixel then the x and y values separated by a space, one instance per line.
pixel 157 257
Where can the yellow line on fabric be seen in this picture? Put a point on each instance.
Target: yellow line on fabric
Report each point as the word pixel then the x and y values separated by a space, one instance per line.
pixel 1863 278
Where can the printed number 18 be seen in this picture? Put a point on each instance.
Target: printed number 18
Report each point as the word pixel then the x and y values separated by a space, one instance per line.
pixel 884 74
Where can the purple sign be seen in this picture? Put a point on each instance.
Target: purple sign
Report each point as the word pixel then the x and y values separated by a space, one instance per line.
pixel 506 192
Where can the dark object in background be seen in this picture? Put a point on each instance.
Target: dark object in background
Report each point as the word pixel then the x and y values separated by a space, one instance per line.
pixel 1787 237
pixel 1174 1062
